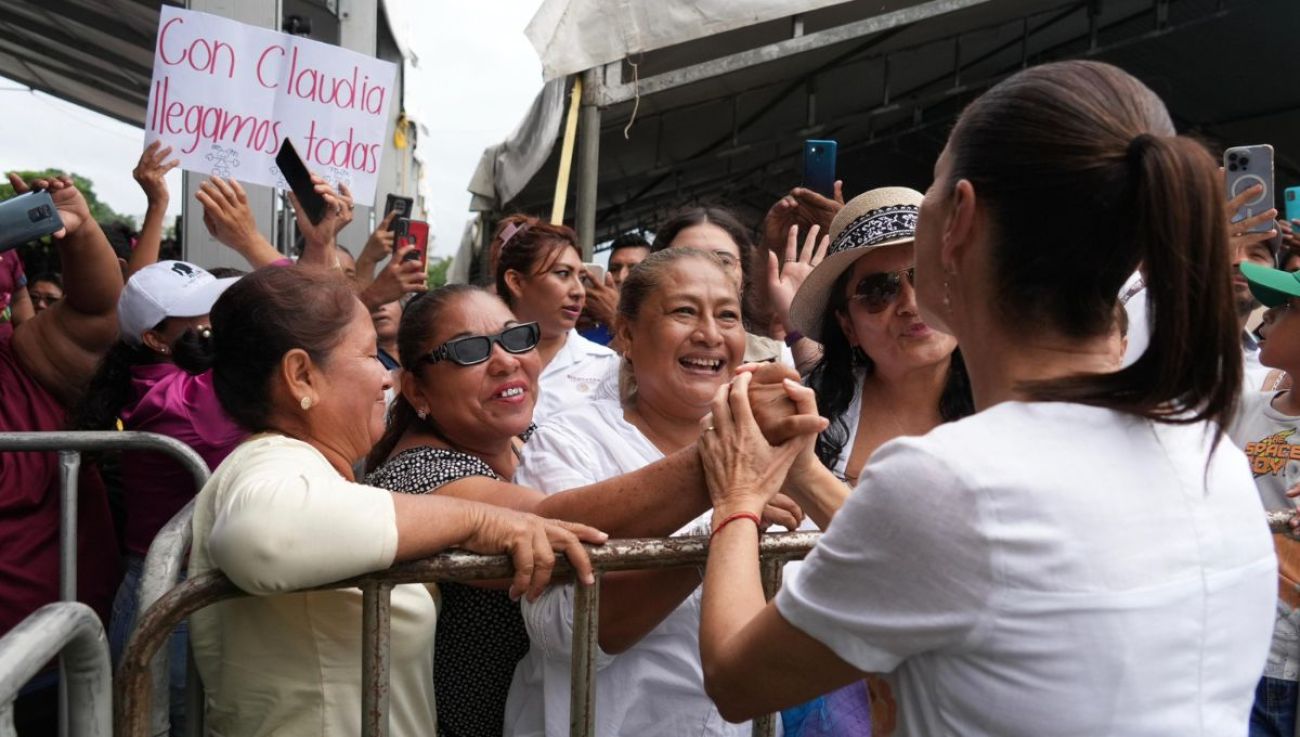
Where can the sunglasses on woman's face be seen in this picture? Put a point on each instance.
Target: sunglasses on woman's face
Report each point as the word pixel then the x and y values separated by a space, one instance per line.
pixel 473 349
pixel 876 292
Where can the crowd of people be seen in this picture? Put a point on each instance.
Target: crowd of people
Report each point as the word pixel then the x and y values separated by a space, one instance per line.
pixel 1039 456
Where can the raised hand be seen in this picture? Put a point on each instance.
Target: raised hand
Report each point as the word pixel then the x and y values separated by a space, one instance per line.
pixel 785 277
pixel 1238 232
pixel 72 207
pixel 150 173
pixel 602 298
pixel 396 279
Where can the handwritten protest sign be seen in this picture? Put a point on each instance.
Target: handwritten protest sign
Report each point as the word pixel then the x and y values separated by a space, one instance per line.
pixel 225 95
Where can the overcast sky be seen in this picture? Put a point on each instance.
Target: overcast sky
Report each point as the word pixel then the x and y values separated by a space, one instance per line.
pixel 476 76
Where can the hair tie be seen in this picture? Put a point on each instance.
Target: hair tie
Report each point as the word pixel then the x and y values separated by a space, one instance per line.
pixel 1137 149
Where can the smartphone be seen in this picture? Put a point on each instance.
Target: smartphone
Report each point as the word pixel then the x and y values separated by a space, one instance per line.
pixel 412 233
pixel 595 273
pixel 26 217
pixel 299 179
pixel 819 166
pixel 1245 167
pixel 1292 198
pixel 399 204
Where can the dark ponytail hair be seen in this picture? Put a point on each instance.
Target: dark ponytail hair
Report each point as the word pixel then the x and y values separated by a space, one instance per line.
pixel 834 380
pixel 1083 177
pixel 419 322
pixel 109 390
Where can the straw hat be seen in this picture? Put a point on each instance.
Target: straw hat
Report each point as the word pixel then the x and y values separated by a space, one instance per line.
pixel 874 219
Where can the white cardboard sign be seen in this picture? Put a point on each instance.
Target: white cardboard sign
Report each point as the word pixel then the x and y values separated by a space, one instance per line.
pixel 225 94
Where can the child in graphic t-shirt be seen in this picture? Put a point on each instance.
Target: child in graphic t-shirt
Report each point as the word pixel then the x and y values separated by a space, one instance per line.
pixel 1267 427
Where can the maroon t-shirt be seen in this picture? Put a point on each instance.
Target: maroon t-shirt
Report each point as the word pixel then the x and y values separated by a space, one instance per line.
pixel 29 509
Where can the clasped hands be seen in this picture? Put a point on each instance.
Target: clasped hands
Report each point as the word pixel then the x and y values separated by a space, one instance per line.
pixel 763 425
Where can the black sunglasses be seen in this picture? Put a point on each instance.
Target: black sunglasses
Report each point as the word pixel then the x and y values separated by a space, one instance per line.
pixel 473 349
pixel 876 292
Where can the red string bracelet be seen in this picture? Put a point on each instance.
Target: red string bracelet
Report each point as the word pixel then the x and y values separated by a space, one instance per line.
pixel 758 522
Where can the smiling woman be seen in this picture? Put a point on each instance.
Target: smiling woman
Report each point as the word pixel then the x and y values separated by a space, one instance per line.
pixel 295 364
pixel 679 318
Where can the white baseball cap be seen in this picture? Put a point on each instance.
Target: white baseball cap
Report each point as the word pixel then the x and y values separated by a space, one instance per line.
pixel 162 290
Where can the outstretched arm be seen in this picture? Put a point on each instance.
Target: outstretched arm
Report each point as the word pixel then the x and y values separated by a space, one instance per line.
pixel 61 347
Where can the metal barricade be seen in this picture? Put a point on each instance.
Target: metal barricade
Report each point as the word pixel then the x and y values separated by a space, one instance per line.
pixel 166 554
pixel 135 687
pixel 72 632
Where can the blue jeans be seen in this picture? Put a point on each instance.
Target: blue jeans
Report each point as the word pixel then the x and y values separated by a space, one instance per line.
pixel 1273 713
pixel 122 623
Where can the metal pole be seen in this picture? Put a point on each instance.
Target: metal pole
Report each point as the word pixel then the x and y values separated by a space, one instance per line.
pixel 69 466
pixel 586 631
pixel 376 607
pixel 588 163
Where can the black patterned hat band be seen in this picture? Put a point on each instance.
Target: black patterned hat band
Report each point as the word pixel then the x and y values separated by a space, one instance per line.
pixel 889 223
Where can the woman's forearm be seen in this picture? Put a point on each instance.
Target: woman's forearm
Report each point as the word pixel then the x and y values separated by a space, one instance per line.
pixel 149 245
pixel 632 603
pixel 653 501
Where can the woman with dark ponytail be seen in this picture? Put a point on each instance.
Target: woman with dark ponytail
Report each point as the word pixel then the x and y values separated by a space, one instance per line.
pixel 157 379
pixel 1083 555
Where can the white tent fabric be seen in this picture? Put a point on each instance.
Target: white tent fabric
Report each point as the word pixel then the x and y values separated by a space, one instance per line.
pixel 506 168
pixel 575 35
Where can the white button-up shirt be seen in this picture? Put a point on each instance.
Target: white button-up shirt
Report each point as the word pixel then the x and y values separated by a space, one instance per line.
pixel 571 378
pixel 656 687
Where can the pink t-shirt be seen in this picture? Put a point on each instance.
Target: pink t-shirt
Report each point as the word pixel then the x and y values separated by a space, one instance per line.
pixel 12 279
pixel 29 509
pixel 168 401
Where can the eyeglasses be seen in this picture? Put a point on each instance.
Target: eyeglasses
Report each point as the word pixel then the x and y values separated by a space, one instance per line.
pixel 876 292
pixel 473 349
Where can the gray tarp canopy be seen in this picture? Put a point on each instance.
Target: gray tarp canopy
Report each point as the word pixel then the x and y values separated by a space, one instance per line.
pixel 721 119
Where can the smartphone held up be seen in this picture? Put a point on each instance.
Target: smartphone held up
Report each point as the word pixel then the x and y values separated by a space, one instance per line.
pixel 1245 167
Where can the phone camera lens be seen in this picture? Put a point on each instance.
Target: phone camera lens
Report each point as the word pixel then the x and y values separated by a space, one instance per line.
pixel 1232 167
pixel 1245 161
pixel 1232 157
pixel 1290 196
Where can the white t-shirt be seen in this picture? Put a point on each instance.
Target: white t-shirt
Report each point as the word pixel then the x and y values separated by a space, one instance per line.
pixel 571 378
pixel 656 687
pixel 1048 569
pixel 275 516
pixel 1273 451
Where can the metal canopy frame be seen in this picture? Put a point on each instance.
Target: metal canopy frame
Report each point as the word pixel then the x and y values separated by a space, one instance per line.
pixel 729 129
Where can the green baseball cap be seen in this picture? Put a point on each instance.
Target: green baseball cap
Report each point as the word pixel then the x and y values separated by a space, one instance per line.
pixel 1271 287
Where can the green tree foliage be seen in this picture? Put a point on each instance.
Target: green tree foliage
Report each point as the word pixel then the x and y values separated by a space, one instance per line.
pixel 438 268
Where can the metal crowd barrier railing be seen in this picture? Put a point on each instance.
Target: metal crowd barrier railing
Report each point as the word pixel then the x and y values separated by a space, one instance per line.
pixel 166 556
pixel 72 632
pixel 134 690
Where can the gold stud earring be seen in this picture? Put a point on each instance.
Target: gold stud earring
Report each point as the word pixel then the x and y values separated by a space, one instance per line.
pixel 305 403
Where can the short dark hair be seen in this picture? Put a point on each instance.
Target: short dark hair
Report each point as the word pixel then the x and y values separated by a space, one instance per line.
pixel 262 317
pixel 630 239
pixel 48 276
